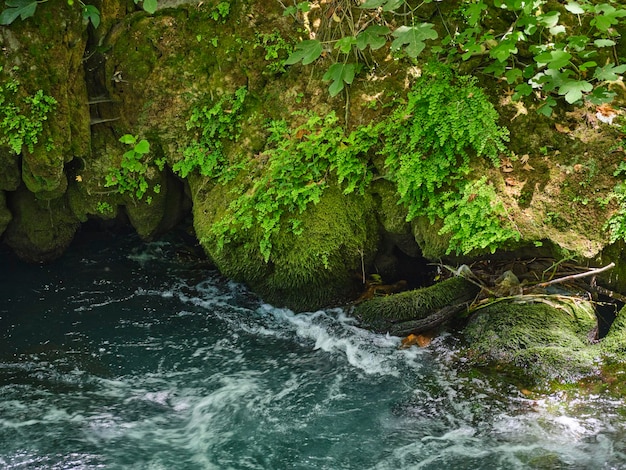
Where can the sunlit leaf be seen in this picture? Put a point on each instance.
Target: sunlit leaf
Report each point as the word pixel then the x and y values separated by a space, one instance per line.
pixel 306 51
pixel 412 38
pixel 373 36
pixel 150 6
pixel 573 90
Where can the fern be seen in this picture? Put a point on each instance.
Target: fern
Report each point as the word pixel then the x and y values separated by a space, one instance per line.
pixel 429 143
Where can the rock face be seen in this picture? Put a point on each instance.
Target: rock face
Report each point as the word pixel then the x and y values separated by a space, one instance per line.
pixel 148 75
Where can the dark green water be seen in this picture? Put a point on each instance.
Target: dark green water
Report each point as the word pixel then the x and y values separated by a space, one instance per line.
pixel 124 355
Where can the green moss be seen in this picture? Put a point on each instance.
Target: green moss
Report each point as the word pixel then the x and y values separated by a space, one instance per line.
pixel 543 342
pixel 305 271
pixel 379 312
pixel 614 343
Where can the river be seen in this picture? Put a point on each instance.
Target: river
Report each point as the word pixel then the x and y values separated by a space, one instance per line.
pixel 125 355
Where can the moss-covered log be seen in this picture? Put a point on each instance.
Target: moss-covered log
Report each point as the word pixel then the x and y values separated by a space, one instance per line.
pixel 381 313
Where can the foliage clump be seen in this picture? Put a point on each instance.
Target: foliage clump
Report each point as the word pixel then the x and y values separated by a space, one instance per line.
pixel 429 142
pixel 22 117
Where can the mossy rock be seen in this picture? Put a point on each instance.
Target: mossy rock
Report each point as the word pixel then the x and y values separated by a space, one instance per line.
pixel 5 214
pixel 162 212
pixel 47 50
pixel 614 343
pixel 10 177
pixel 380 312
pixel 307 271
pixel 40 230
pixel 539 341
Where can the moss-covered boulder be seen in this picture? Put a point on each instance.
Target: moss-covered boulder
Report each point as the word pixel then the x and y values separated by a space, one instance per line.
pixel 40 229
pixel 614 343
pixel 390 312
pixel 536 342
pixel 305 271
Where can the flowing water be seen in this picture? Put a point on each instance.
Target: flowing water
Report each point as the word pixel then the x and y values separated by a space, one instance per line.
pixel 127 355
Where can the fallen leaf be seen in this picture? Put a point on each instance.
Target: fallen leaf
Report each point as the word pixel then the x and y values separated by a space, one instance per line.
pixel 561 128
pixel 511 182
pixel 507 165
pixel 79 178
pixel 527 167
pixel 524 158
pixel 421 340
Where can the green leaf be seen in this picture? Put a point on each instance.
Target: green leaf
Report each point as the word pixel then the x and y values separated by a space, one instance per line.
pixel 609 72
pixel 388 5
pixel 513 75
pixel 306 51
pixel 345 44
pixel 372 3
pixel 91 13
pixel 575 8
pixel 546 107
pixel 554 59
pixel 604 42
pixel 128 139
pixel 142 147
pixel 473 12
pixel 22 8
pixel 412 38
pixel 573 90
pixel 150 6
pixel 340 74
pixel 373 36
pixel 503 50
pixel 549 20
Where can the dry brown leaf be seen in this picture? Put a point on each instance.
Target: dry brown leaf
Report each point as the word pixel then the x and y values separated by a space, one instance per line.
pixel 524 158
pixel 527 167
pixel 511 181
pixel 507 165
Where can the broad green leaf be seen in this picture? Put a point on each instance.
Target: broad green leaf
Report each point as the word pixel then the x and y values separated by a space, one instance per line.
pixel 523 89
pixel 587 65
pixel 578 42
pixel 573 90
pixel 388 5
pixel 609 72
pixel 372 3
pixel 142 147
pixel 340 74
pixel 513 75
pixel 373 36
pixel 91 13
pixel 575 8
pixel 22 8
pixel 306 51
pixel 503 50
pixel 345 44
pixel 474 11
pixel 600 95
pixel 128 139
pixel 554 59
pixel 550 19
pixel 150 6
pixel 412 38
pixel 604 42
pixel 546 107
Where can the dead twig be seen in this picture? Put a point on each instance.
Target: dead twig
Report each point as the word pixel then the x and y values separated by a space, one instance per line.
pixel 576 276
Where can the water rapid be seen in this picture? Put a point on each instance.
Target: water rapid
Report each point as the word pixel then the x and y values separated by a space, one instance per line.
pixel 127 355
